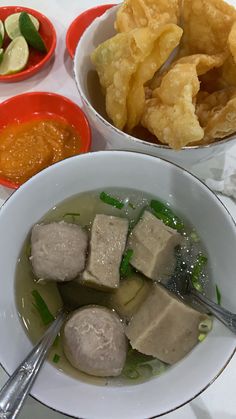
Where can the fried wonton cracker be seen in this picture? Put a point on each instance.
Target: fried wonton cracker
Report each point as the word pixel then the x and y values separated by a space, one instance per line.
pixel 118 59
pixel 207 25
pixel 170 114
pixel 217 113
pixel 203 63
pixel 140 13
pixel 168 37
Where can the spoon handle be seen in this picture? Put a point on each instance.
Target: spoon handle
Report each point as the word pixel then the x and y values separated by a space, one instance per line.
pixel 16 389
pixel 225 316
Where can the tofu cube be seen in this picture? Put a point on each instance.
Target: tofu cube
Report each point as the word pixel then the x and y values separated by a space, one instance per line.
pixel 107 244
pixel 153 244
pixel 164 326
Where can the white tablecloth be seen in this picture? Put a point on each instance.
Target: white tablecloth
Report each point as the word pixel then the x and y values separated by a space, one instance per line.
pixel 218 401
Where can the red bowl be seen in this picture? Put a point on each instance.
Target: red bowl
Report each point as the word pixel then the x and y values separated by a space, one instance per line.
pixel 37 60
pixel 40 105
pixel 81 23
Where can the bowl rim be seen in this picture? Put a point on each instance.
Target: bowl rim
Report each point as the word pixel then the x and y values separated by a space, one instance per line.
pixel 232 220
pixel 112 127
pixel 24 74
pixel 101 7
pixel 43 94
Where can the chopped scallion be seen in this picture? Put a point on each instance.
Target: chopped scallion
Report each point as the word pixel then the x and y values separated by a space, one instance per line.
pixel 110 200
pixel 71 215
pixel 218 295
pixel 131 372
pixel 125 263
pixel 197 271
pixel 42 308
pixel 56 358
pixel 194 237
pixel 201 337
pixel 205 326
pixel 131 205
pixel 164 213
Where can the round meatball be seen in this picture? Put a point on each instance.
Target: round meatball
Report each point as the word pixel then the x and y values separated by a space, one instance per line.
pixel 58 250
pixel 94 341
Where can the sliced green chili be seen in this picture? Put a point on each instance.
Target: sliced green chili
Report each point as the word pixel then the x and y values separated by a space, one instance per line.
pixel 197 271
pixel 42 308
pixel 110 200
pixel 56 358
pixel 164 213
pixel 218 295
pixel 125 263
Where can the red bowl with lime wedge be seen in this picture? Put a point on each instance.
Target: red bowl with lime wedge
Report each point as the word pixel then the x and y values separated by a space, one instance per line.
pixel 37 60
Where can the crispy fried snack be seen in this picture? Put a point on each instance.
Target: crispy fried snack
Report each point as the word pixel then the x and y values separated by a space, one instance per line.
pixel 125 62
pixel 140 13
pixel 217 113
pixel 203 63
pixel 170 115
pixel 207 25
pixel 167 38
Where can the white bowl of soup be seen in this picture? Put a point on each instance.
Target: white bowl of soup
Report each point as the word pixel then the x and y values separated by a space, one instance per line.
pixel 140 139
pixel 71 191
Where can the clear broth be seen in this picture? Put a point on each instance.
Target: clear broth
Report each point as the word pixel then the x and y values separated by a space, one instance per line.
pixel 87 205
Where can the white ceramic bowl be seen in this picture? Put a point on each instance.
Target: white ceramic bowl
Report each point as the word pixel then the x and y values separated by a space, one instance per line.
pixel 101 29
pixel 197 203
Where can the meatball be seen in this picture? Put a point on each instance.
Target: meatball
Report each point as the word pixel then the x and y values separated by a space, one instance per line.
pixel 58 251
pixel 94 341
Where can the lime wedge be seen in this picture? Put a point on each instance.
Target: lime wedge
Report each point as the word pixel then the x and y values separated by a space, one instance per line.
pixel 1 54
pixel 15 56
pixel 30 33
pixel 12 25
pixel 2 33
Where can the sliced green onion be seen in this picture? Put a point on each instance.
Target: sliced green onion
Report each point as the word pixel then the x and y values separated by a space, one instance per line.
pixel 218 295
pixel 145 370
pixel 197 271
pixel 131 372
pixel 42 308
pixel 131 205
pixel 194 237
pixel 164 213
pixel 56 358
pixel 205 326
pixel 110 200
pixel 201 337
pixel 71 214
pixel 125 263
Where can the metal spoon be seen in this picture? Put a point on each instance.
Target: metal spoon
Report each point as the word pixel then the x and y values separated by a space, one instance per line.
pixel 17 388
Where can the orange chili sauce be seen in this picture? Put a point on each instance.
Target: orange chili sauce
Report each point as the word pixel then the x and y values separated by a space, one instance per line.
pixel 28 147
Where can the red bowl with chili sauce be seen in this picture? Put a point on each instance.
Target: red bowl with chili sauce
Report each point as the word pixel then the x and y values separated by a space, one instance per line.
pixel 37 59
pixel 30 108
pixel 78 26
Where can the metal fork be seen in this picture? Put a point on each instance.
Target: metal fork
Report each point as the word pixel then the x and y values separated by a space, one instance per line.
pixel 225 316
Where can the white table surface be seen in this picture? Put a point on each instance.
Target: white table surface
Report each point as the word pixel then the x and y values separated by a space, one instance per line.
pixel 219 400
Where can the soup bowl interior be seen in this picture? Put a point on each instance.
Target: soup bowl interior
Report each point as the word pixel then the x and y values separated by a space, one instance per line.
pixel 93 100
pixel 197 204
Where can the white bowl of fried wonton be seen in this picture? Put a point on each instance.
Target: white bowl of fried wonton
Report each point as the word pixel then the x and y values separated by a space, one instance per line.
pixel 94 105
pixel 196 204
